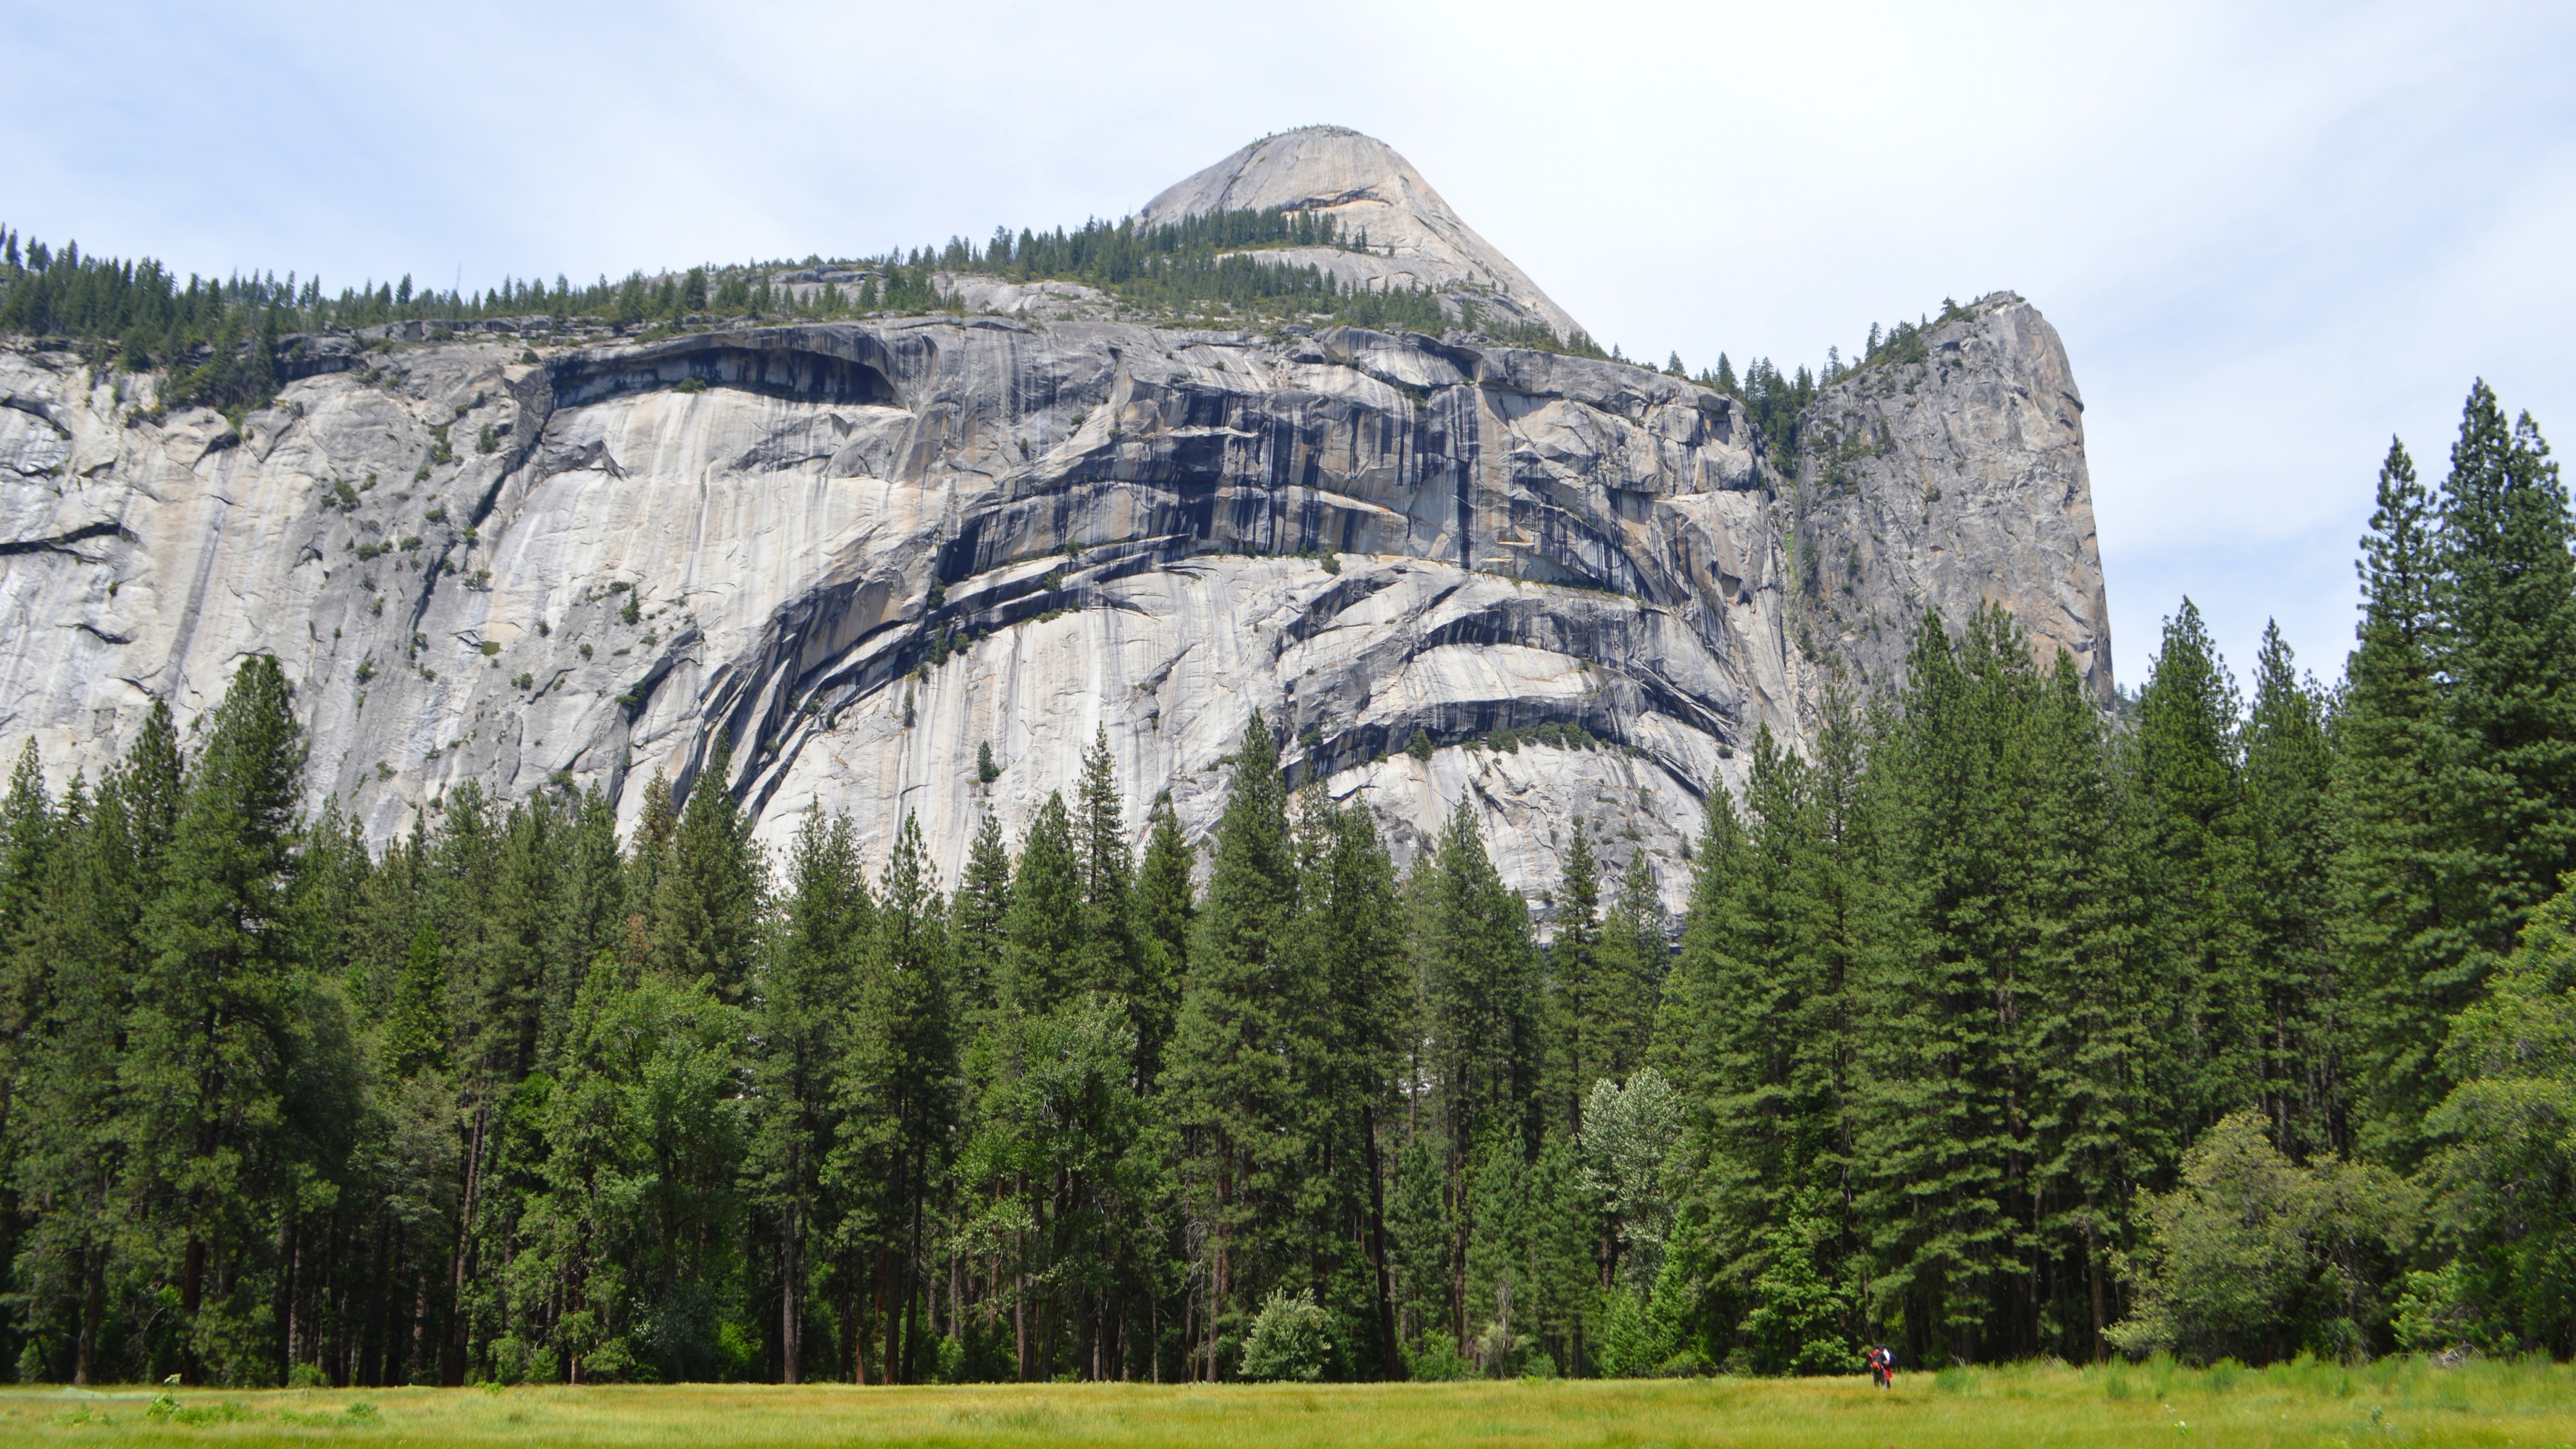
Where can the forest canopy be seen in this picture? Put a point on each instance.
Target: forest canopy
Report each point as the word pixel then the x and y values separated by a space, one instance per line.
pixel 217 338
pixel 1995 1028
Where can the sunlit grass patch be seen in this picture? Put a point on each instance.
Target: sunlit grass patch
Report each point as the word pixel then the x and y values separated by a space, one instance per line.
pixel 2492 1404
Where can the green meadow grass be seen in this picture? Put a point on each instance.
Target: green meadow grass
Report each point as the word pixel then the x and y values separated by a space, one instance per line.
pixel 2522 1405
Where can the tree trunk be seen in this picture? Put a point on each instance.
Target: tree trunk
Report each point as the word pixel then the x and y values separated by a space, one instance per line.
pixel 388 1260
pixel 2093 1276
pixel 419 1325
pixel 192 1287
pixel 294 1272
pixel 904 1366
pixel 1216 1278
pixel 791 1324
pixel 451 1358
pixel 93 1291
pixel 1462 1235
pixel 1393 1364
pixel 858 1337
pixel 885 1324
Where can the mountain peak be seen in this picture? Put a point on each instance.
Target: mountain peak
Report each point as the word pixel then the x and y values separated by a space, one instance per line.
pixel 1414 238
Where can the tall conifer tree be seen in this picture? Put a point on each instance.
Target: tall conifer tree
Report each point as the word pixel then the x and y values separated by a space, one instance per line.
pixel 1108 868
pixel 2291 838
pixel 2389 871
pixel 1577 990
pixel 981 917
pixel 1947 1138
pixel 1233 1097
pixel 2505 647
pixel 1166 904
pixel 221 1021
pixel 898 1086
pixel 1633 964
pixel 803 1009
pixel 1048 958
pixel 2192 857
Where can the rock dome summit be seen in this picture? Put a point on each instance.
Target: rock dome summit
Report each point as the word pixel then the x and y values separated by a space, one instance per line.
pixel 1413 238
pixel 1009 511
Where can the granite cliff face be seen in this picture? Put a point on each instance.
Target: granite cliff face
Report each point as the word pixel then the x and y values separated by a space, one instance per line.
pixel 1413 238
pixel 863 550
pixel 1948 481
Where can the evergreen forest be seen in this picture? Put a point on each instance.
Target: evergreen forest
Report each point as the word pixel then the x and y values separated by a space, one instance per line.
pixel 2240 1023
pixel 216 340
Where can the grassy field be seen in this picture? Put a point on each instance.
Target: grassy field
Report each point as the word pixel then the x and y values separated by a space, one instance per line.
pixel 2524 1406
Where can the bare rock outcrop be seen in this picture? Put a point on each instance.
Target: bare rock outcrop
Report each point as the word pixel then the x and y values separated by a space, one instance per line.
pixel 863 550
pixel 1948 481
pixel 1414 239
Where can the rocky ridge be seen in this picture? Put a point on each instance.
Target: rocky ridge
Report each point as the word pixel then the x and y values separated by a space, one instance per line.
pixel 862 550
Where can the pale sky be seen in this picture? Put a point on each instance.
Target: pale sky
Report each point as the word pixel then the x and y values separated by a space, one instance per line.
pixel 2271 235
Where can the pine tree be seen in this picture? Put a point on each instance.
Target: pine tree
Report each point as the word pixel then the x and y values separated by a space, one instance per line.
pixel 1947 1119
pixel 59 1065
pixel 1749 989
pixel 66 1143
pixel 413 1037
pixel 2193 860
pixel 1481 1015
pixel 1482 994
pixel 1632 966
pixel 898 1085
pixel 1775 987
pixel 1349 946
pixel 648 857
pixel 981 917
pixel 2291 837
pixel 1498 1290
pixel 2099 1133
pixel 1685 1048
pixel 1231 1092
pixel 26 838
pixel 803 1006
pixel 591 922
pixel 1047 955
pixel 1109 957
pixel 2461 781
pixel 704 902
pixel 1576 988
pixel 153 775
pixel 2388 872
pixel 1166 905
pixel 332 872
pixel 220 1024
pixel 2504 641
pixel 30 836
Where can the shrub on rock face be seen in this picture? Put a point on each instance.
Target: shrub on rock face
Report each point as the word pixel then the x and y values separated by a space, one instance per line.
pixel 1291 1340
pixel 1420 749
